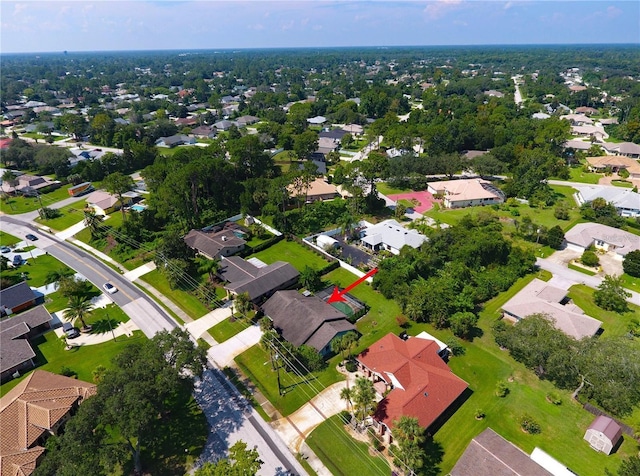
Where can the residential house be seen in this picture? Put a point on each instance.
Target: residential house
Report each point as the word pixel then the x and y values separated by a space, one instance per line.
pixel 355 129
pixel 16 298
pixel 223 125
pixel 593 132
pixel 578 119
pixel 489 454
pixel 204 132
pixel 175 140
pixel 214 245
pixel 317 121
pixel 186 121
pixel 603 237
pixel 494 93
pixel 16 353
pixel 628 149
pixel 412 378
pixel 37 407
pixel 319 189
pixel 577 144
pixel 586 110
pixel 306 320
pixel 104 203
pixel 538 297
pixel 335 134
pixel 255 278
pixel 318 160
pixel 30 185
pixel 626 201
pixel 614 163
pixel 466 192
pixel 327 144
pixel 603 434
pixel 540 115
pixel 244 121
pixel 391 236
pixel 607 121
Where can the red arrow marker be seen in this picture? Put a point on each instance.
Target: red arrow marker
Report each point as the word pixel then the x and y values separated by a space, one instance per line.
pixel 337 295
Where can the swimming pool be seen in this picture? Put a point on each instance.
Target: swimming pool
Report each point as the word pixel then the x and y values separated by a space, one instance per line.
pixel 137 207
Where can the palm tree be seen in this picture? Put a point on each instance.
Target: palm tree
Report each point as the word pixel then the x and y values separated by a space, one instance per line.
pixel 409 436
pixel 347 222
pixel 92 221
pixel 58 275
pixel 243 303
pixel 79 308
pixel 337 345
pixel 364 397
pixel 10 177
pixel 349 340
pixel 209 266
pixel 347 394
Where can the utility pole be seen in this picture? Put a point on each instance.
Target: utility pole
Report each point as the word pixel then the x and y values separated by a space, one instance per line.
pixel 111 328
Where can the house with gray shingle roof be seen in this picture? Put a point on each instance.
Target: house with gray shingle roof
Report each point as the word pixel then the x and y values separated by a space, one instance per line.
pixel 16 298
pixel 626 201
pixel 603 237
pixel 214 245
pixel 16 353
pixel 538 297
pixel 258 281
pixel 306 320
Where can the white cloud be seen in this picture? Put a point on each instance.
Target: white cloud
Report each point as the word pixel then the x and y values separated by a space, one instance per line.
pixel 19 8
pixel 613 12
pixel 439 8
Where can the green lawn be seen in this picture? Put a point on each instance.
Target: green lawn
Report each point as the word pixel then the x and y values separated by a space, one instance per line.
pixel 20 204
pixel 622 183
pixel 292 252
pixel 187 302
pixel 580 269
pixel 577 174
pixel 36 270
pixel 71 214
pixel 52 356
pixel 539 215
pixel 55 302
pixel 614 324
pixel 563 427
pixel 341 454
pixel 6 239
pixel 385 189
pixel 631 283
pixel 255 364
pixel 226 329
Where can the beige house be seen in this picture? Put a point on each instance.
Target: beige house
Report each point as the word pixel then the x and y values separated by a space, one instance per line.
pixel 319 189
pixel 538 297
pixel 466 192
pixel 104 203
pixel 603 237
pixel 33 410
pixel 615 163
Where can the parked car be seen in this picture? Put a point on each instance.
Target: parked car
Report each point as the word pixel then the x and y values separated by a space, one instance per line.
pixel 70 331
pixel 17 260
pixel 31 237
pixel 110 288
pixel 5 249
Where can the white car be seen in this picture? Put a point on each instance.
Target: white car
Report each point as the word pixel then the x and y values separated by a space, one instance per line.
pixel 110 288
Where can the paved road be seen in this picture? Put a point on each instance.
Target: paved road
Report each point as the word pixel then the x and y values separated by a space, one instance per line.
pixel 151 318
pixel 577 277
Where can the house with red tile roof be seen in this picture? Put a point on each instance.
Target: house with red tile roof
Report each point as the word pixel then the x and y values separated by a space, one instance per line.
pixel 419 383
pixel 34 409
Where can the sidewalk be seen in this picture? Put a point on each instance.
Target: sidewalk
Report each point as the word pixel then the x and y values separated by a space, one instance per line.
pixel 200 326
pixel 224 353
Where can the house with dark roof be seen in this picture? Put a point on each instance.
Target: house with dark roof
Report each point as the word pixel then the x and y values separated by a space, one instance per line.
pixel 223 125
pixel 538 297
pixel 306 320
pixel 37 407
pixel 412 378
pixel 214 245
pixel 243 121
pixel 489 454
pixel 16 298
pixel 16 353
pixel 175 140
pixel 603 434
pixel 259 282
pixel 334 134
pixel 30 185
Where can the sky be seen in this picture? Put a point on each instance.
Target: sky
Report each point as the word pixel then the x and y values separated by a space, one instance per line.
pixel 107 25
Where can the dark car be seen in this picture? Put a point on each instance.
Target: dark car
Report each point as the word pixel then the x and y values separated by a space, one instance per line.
pixel 31 237
pixel 70 331
pixel 4 249
pixel 17 260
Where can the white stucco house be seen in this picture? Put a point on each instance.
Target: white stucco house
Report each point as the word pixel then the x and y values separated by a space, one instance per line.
pixel 603 237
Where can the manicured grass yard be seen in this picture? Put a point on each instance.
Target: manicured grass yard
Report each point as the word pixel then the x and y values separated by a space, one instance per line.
pixel 622 183
pixel 631 283
pixel 52 356
pixel 71 214
pixel 385 189
pixel 37 269
pixel 226 329
pixel 6 239
pixel 20 204
pixel 341 454
pixel 292 252
pixel 187 302
pixel 255 364
pixel 577 174
pixel 614 324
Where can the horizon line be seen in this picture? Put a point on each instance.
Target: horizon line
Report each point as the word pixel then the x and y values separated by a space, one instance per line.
pixel 265 48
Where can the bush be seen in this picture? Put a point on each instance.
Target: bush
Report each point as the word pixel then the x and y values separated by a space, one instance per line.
pixel 479 414
pixel 631 264
pixel 502 390
pixel 402 321
pixel 68 372
pixel 344 416
pixel 351 366
pixel 554 398
pixel 528 424
pixel 589 258
pixel 455 346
